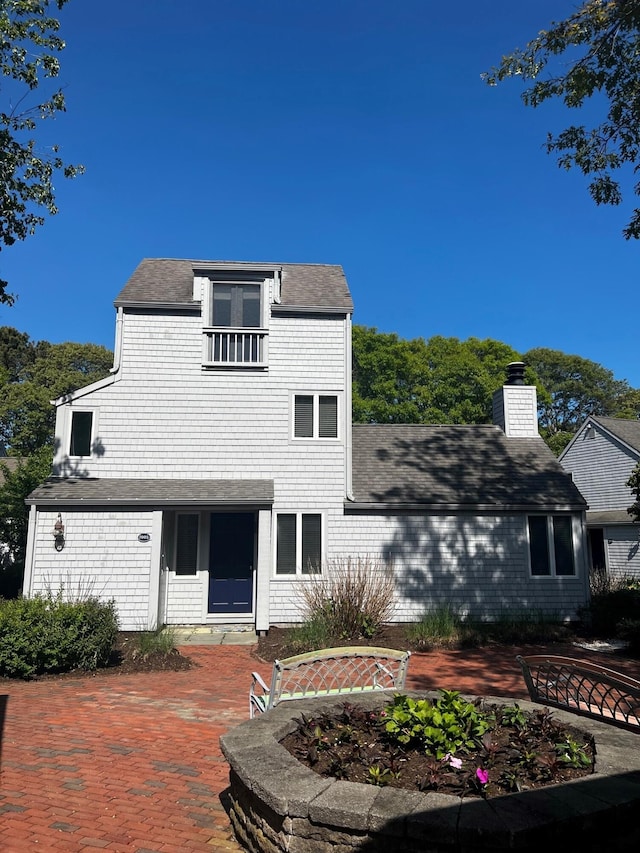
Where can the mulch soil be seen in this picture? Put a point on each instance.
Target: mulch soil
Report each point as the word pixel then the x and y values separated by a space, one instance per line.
pixel 353 745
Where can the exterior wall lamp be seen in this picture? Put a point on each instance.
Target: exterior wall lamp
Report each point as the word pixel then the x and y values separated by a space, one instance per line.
pixel 58 534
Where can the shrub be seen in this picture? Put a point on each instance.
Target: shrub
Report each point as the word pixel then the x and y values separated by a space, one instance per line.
pixel 46 634
pixel 629 630
pixel 353 597
pixel 608 609
pixel 147 643
pixel 438 626
pixel 313 634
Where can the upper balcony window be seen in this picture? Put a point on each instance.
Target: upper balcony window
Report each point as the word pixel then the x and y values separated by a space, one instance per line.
pixel 235 333
pixel 236 305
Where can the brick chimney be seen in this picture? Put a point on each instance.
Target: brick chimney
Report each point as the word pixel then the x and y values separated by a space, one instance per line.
pixel 515 405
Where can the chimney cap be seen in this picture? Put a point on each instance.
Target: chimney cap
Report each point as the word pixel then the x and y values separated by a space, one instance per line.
pixel 515 373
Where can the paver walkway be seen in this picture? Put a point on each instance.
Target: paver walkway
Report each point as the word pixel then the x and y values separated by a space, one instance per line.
pixel 131 763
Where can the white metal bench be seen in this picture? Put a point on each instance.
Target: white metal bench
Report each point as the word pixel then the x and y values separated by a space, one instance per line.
pixel 329 672
pixel 584 688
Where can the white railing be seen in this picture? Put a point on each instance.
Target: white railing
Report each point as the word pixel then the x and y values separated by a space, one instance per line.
pixel 235 347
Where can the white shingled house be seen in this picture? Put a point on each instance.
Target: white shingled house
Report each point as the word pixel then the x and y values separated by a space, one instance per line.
pixel 217 468
pixel 600 458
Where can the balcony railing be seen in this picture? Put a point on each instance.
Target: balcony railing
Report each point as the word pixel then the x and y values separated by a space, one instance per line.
pixel 235 348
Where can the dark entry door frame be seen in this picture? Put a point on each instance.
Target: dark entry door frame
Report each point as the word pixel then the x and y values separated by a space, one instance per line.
pixel 232 562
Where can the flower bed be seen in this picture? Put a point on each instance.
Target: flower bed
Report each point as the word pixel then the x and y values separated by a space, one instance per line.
pixel 448 745
pixel 278 804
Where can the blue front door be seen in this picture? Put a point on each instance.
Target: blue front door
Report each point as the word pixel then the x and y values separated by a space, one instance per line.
pixel 231 558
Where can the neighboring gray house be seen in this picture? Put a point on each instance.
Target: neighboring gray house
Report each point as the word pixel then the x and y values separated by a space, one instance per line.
pixel 216 468
pixel 600 459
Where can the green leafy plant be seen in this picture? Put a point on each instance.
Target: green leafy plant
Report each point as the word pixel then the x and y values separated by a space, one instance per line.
pixel 48 634
pixel 512 715
pixel 380 776
pixel 445 726
pixel 571 753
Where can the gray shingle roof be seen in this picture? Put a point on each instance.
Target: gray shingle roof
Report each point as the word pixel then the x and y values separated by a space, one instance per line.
pixel 170 282
pixel 457 467
pixel 148 492
pixel 624 429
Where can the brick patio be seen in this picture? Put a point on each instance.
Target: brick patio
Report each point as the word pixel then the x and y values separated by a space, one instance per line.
pixel 132 763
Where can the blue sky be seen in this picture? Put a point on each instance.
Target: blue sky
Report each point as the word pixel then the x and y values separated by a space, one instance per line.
pixel 355 132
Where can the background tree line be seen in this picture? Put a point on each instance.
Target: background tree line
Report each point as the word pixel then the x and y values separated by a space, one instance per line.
pixel 395 380
pixel 446 380
pixel 31 376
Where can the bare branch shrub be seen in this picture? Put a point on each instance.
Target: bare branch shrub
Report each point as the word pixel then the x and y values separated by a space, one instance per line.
pixel 353 596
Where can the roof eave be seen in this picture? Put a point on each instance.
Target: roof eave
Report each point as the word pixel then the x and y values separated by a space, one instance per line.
pixel 149 502
pixel 369 506
pixel 283 308
pixel 137 303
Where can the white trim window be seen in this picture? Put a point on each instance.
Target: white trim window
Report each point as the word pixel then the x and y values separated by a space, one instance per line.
pixel 234 315
pixel 186 543
pixel 298 543
pixel 315 416
pixel 81 432
pixel 551 546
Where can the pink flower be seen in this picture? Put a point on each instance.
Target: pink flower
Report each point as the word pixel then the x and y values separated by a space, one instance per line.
pixel 456 763
pixel 483 776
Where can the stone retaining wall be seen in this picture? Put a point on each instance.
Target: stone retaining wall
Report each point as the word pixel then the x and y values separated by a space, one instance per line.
pixel 280 806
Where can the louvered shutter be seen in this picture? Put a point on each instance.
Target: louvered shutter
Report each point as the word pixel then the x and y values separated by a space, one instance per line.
pixel 311 543
pixel 286 544
pixel 303 427
pixel 328 417
pixel 187 544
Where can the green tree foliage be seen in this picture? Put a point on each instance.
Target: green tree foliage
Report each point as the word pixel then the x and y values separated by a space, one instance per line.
pixel 628 405
pixel 16 484
pixel 29 48
pixel 574 388
pixel 35 374
pixel 634 484
pixel 442 380
pixel 594 53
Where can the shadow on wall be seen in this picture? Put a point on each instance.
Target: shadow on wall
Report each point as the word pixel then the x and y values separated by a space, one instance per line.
pixel 66 468
pixel 472 559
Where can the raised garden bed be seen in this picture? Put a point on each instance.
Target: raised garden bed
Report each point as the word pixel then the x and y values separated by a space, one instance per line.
pixel 278 804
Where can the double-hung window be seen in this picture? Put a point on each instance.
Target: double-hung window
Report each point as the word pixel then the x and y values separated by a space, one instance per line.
pixel 551 551
pixel 81 433
pixel 298 543
pixel 315 416
pixel 234 317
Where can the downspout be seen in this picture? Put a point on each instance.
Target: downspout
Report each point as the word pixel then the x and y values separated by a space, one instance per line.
pixel 29 555
pixel 348 413
pixel 117 348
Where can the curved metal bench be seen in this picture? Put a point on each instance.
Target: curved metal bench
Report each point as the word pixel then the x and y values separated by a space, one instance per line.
pixel 584 688
pixel 329 672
